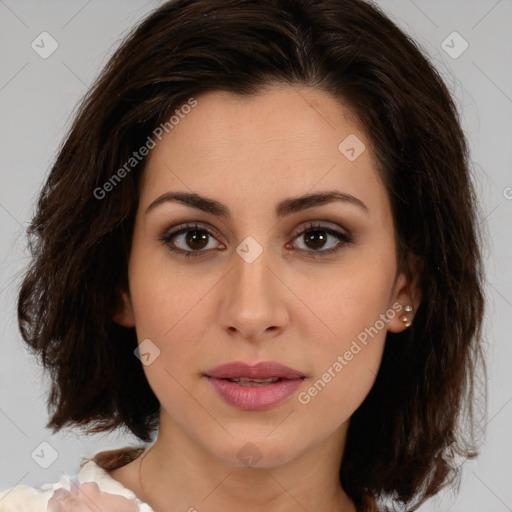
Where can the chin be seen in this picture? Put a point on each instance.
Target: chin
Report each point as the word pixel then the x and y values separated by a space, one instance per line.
pixel 257 450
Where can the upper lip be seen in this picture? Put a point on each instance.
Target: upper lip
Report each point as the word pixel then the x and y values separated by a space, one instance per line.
pixel 262 370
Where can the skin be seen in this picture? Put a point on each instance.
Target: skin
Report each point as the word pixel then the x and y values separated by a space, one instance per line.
pixel 304 312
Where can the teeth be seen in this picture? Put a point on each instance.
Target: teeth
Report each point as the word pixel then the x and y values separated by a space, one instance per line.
pixel 244 381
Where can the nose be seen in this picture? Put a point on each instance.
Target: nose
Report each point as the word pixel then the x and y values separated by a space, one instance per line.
pixel 254 303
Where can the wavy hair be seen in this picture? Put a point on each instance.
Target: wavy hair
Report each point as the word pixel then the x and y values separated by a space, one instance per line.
pixel 80 243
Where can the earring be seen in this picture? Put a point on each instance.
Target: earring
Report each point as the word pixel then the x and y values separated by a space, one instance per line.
pixel 404 318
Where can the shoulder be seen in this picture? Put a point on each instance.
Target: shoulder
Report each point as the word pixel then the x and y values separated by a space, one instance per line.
pixel 91 489
pixel 23 498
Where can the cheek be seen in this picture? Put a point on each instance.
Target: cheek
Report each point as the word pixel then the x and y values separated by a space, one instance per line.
pixel 350 299
pixel 172 315
pixel 355 312
pixel 164 297
pixel 344 369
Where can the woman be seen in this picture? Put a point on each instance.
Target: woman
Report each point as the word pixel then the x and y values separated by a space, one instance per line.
pixel 259 243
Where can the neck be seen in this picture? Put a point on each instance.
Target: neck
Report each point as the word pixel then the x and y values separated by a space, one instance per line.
pixel 175 470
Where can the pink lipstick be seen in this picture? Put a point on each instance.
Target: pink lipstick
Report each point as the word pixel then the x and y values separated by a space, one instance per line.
pixel 254 387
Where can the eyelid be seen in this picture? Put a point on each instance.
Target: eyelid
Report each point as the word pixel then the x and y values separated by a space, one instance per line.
pixel 189 226
pixel 344 236
pixel 320 224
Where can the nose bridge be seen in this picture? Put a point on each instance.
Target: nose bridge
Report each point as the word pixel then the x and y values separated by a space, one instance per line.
pixel 251 279
pixel 253 300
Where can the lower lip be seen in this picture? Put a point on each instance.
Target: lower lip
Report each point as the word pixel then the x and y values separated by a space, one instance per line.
pixel 255 398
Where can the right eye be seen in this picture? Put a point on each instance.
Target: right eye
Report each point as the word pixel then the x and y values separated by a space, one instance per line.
pixel 193 239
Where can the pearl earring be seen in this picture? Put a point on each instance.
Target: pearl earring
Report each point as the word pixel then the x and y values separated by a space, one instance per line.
pixel 405 318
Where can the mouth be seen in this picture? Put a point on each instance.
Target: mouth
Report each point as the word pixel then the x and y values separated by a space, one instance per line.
pixel 254 387
pixel 245 381
pixel 259 372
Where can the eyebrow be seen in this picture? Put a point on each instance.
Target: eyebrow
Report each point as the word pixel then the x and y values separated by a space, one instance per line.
pixel 283 208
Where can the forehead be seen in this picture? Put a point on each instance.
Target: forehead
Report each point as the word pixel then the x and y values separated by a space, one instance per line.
pixel 283 141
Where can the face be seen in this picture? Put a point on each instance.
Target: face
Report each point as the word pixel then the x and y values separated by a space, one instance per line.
pixel 263 276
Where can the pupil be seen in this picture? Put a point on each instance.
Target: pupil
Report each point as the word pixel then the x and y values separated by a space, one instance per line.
pixel 317 238
pixel 195 237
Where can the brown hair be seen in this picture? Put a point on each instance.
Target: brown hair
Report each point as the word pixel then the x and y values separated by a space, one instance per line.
pixel 80 243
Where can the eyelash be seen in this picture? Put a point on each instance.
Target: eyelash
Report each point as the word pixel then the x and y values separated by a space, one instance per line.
pixel 344 239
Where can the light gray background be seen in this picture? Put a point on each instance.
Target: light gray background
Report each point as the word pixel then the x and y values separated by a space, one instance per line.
pixel 37 99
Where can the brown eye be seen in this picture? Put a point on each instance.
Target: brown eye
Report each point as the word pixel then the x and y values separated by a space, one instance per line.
pixel 189 240
pixel 316 237
pixel 193 240
pixel 196 239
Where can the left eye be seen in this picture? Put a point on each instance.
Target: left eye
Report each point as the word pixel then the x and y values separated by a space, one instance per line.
pixel 196 237
pixel 315 237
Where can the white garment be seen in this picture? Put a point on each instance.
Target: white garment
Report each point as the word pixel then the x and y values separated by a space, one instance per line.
pixel 92 489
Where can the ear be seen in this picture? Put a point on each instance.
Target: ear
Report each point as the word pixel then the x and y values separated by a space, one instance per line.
pixel 406 294
pixel 124 314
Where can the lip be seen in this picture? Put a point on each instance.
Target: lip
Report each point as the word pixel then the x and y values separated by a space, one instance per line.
pixel 255 397
pixel 262 370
